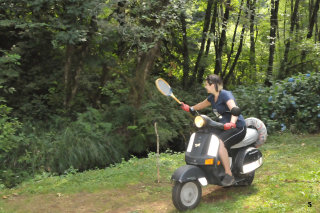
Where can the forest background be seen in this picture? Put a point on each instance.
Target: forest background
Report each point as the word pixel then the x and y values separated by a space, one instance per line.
pixel 77 77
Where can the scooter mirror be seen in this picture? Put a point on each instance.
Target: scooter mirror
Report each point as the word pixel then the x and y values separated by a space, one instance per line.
pixel 163 87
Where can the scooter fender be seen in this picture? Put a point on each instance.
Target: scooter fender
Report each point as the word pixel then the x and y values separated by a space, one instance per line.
pixel 189 173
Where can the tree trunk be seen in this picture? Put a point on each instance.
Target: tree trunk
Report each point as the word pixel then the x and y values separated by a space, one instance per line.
pixel 120 17
pixel 144 65
pixel 232 68
pixel 75 56
pixel 72 71
pixel 253 67
pixel 272 42
pixel 312 22
pixel 233 41
pixel 185 51
pixel 67 75
pixel 316 33
pixel 211 34
pixel 203 40
pixel 218 66
pixel 285 62
pixel 103 80
pixel 146 60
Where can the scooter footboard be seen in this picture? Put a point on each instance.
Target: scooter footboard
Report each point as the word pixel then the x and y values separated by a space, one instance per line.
pixel 188 173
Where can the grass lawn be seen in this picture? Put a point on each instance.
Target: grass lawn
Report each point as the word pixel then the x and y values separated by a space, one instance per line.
pixel 288 181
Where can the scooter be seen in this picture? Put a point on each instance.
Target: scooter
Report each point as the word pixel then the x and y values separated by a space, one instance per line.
pixel 204 167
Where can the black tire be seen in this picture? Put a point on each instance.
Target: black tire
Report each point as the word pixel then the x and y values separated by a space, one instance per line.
pixel 248 179
pixel 186 195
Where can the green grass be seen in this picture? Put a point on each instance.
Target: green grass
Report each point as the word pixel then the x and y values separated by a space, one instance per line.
pixel 287 182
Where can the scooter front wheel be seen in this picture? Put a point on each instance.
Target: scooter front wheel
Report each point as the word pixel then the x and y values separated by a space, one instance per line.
pixel 186 195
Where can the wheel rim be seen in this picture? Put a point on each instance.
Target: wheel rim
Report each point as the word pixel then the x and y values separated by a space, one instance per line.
pixel 189 194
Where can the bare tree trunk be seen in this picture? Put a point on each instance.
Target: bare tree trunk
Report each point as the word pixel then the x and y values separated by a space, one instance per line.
pixel 310 9
pixel 103 80
pixel 233 41
pixel 75 57
pixel 312 22
pixel 144 65
pixel 146 60
pixel 232 68
pixel 185 51
pixel 211 34
pixel 120 11
pixel 253 67
pixel 218 66
pixel 75 79
pixel 235 61
pixel 284 21
pixel 284 64
pixel 272 42
pixel 203 40
pixel 316 33
pixel 72 71
pixel 67 75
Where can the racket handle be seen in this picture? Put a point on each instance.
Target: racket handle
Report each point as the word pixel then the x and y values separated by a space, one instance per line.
pixel 176 99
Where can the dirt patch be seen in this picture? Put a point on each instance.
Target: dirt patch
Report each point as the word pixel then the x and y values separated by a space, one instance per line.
pixel 132 199
pixel 214 194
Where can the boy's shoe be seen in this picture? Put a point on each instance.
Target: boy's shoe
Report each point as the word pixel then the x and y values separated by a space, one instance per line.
pixel 227 180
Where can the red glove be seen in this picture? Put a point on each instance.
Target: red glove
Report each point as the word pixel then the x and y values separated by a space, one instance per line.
pixel 228 126
pixel 185 107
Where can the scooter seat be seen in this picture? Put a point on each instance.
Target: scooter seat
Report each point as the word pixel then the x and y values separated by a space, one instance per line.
pixel 251 137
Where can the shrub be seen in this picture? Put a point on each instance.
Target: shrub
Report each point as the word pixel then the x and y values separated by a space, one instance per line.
pixel 82 144
pixel 292 104
pixel 14 150
pixel 137 124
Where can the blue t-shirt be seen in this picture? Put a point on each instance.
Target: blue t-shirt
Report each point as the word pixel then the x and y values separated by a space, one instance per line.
pixel 220 108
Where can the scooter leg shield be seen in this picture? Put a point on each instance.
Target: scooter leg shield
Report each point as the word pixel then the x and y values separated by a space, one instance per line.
pixel 248 160
pixel 187 173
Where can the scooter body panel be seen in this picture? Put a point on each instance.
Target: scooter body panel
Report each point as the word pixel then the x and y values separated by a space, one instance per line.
pixel 188 173
pixel 202 146
pixel 247 160
pixel 213 174
pixel 251 137
pixel 205 145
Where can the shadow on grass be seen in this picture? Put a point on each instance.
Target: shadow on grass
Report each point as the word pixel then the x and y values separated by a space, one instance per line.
pixel 220 199
pixel 222 194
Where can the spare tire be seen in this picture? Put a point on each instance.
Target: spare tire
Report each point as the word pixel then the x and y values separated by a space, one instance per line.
pixel 260 127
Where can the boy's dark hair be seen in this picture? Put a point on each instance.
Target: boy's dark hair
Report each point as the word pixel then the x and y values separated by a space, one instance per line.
pixel 214 79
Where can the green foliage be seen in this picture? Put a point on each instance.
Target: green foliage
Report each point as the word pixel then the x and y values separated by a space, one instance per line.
pixel 143 23
pixel 89 50
pixel 14 150
pixel 292 104
pixel 137 124
pixel 82 144
pixel 9 68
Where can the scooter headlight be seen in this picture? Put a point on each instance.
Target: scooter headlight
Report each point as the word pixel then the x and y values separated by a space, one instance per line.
pixel 199 121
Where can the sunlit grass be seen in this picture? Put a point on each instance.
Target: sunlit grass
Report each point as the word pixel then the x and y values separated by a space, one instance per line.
pixel 289 181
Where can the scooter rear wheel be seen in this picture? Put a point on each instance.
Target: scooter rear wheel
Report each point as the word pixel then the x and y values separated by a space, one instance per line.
pixel 248 179
pixel 186 195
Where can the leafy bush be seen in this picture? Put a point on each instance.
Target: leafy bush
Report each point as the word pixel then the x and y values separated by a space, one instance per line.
pixel 292 104
pixel 137 124
pixel 98 138
pixel 82 144
pixel 14 150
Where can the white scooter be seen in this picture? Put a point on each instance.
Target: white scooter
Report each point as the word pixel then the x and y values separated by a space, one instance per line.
pixel 204 166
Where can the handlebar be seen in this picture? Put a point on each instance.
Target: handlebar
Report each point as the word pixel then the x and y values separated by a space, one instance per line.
pixel 212 123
